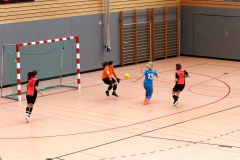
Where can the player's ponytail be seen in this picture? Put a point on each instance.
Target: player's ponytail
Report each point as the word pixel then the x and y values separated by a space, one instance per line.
pixel 104 64
pixel 29 74
pixel 149 65
pixel 32 74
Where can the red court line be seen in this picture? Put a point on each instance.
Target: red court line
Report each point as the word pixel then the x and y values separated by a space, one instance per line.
pixel 180 146
pixel 96 116
pixel 6 103
pixel 128 132
pixel 174 69
pixel 229 90
pixel 221 65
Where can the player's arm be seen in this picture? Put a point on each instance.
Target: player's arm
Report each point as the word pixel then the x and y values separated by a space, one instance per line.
pixel 115 75
pixel 186 73
pixel 176 77
pixel 139 77
pixel 156 73
pixel 36 88
pixel 106 70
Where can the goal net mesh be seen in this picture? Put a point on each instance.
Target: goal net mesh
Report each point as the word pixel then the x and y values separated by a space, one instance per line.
pixel 55 63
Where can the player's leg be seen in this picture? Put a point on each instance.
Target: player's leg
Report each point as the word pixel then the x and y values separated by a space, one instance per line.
pixel 114 87
pixel 109 88
pixel 107 81
pixel 178 92
pixel 174 91
pixel 176 98
pixel 31 107
pixel 149 91
pixel 30 112
pixel 180 89
pixel 28 107
pixel 27 110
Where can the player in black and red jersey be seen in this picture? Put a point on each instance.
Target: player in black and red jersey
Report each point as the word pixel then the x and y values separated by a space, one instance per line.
pixel 32 90
pixel 180 82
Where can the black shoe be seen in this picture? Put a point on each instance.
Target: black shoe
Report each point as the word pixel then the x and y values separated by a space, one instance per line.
pixel 175 98
pixel 114 94
pixel 107 93
pixel 174 101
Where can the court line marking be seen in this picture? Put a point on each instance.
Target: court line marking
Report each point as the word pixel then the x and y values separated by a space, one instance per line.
pixel 104 144
pixel 114 128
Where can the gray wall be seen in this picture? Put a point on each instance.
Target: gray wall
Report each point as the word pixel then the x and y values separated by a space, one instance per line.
pixel 203 32
pixel 87 27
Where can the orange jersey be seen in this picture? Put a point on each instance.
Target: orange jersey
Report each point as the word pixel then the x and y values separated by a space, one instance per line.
pixel 107 72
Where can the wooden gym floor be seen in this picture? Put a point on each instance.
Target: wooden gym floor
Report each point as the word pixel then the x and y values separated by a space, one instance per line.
pixel 88 125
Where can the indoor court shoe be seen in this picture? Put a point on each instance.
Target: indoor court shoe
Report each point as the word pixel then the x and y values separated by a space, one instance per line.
pixel 176 103
pixel 107 93
pixel 27 120
pixel 145 101
pixel 26 116
pixel 114 94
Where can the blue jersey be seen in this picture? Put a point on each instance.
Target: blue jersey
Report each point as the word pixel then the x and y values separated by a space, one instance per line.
pixel 149 74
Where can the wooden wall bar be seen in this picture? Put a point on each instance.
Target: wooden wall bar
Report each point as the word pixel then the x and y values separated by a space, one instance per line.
pixel 178 32
pixel 49 9
pixel 155 37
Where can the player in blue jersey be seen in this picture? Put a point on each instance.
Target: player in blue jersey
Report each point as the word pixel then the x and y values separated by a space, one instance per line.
pixel 149 74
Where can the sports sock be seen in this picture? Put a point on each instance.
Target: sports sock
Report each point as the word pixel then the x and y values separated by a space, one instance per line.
pixel 30 111
pixel 109 87
pixel 27 110
pixel 115 87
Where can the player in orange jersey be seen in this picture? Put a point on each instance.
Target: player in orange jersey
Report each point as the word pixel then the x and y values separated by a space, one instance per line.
pixel 108 70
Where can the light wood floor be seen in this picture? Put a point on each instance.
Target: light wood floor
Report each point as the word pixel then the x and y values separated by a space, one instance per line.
pixel 88 125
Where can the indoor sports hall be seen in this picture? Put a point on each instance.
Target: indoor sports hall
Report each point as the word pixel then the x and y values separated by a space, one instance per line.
pixel 74 119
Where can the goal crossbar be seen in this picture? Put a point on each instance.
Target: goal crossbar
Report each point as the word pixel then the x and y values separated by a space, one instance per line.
pixel 18 60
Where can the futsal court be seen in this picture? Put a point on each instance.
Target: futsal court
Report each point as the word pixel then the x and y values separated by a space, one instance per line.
pixel 87 125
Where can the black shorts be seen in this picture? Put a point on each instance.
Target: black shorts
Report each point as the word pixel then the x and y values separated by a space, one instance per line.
pixel 178 87
pixel 107 81
pixel 31 99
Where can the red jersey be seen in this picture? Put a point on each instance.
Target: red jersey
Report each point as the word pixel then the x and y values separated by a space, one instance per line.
pixel 180 75
pixel 31 86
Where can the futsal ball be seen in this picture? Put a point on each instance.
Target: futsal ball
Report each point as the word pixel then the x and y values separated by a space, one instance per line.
pixel 126 76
